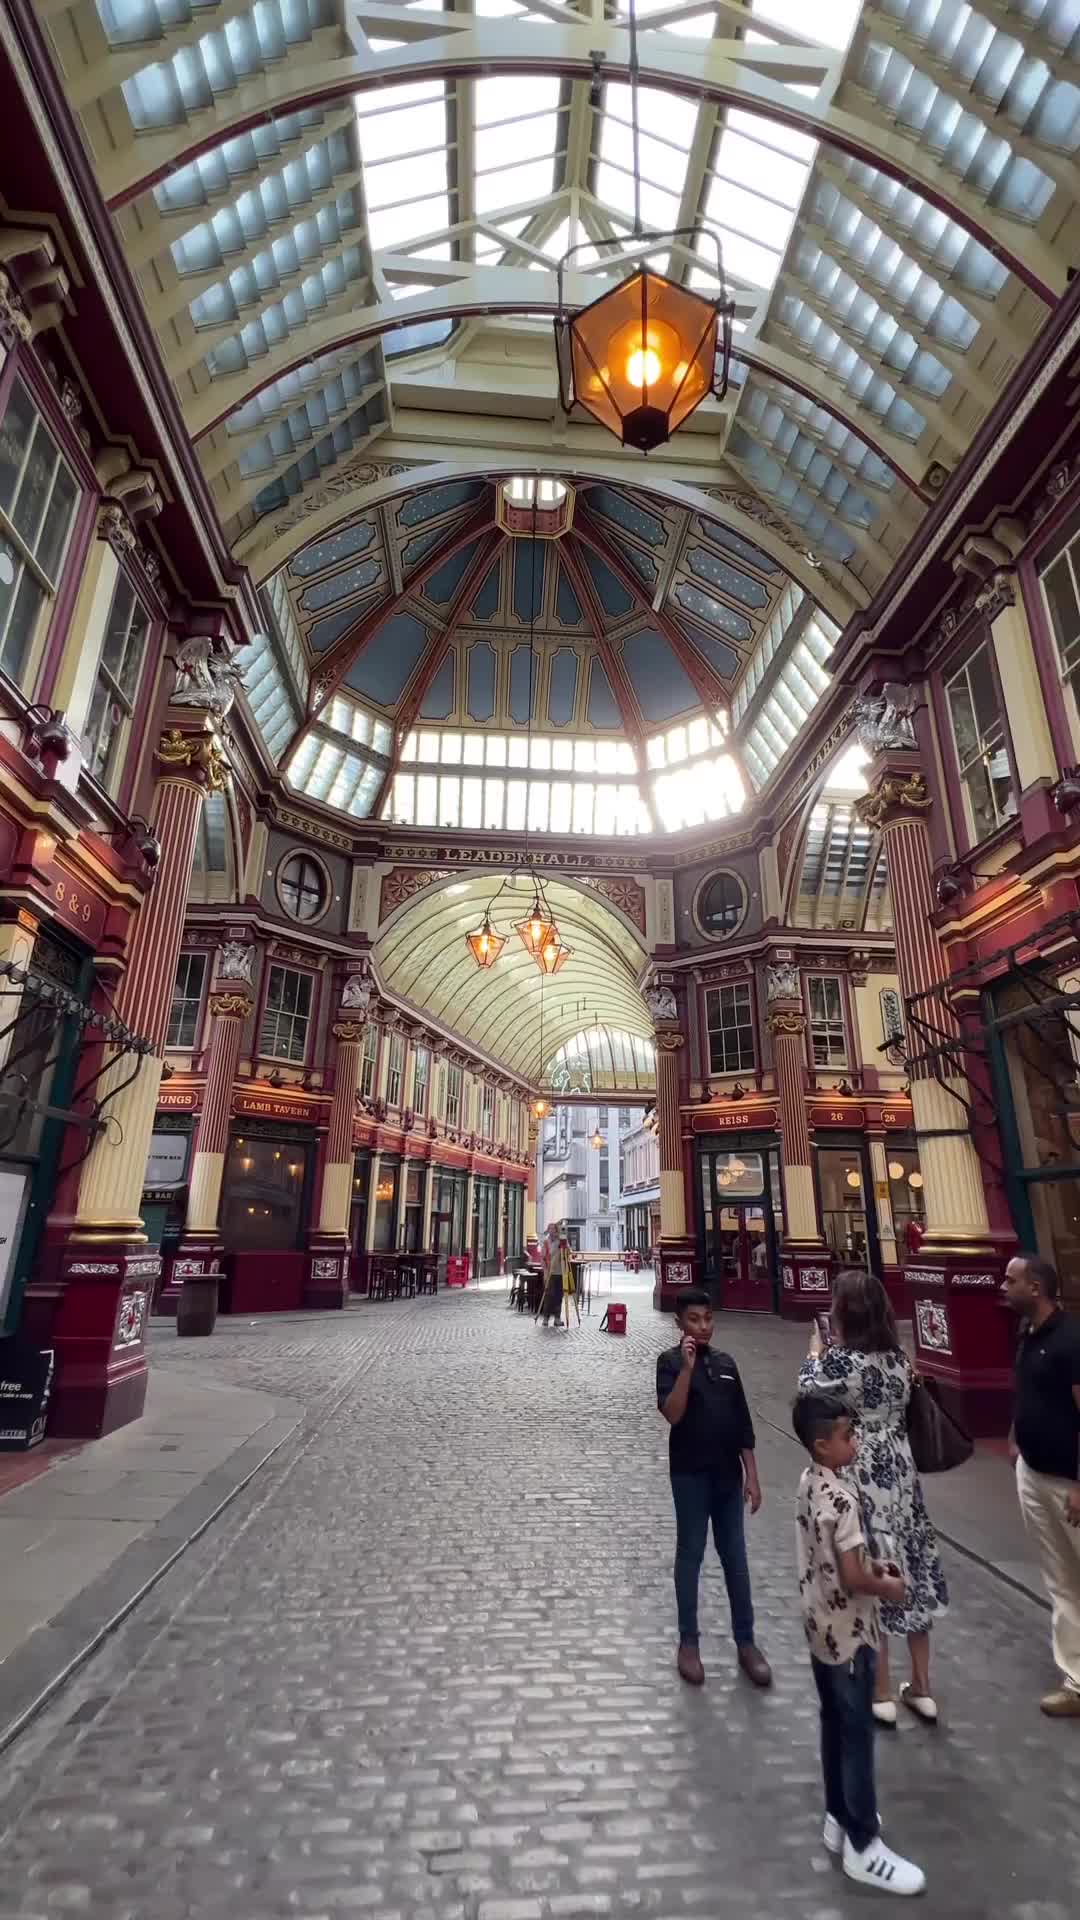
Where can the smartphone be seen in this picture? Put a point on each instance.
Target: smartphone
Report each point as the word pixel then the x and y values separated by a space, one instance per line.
pixel 824 1327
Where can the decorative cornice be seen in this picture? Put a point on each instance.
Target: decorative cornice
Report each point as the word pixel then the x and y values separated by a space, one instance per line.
pixel 893 797
pixel 314 829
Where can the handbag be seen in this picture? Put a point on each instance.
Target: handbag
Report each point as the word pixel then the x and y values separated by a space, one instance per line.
pixel 938 1442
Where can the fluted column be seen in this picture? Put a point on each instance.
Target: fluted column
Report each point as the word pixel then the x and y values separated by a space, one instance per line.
pixel 962 1335
pixel 329 1252
pixel 105 1270
pixel 805 1261
pixel 530 1185
pixel 677 1258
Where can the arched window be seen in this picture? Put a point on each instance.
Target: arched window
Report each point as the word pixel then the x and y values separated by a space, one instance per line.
pixel 722 905
pixel 302 887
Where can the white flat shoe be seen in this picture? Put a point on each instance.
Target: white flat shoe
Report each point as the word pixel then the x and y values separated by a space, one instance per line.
pixel 884 1712
pixel 833 1836
pixel 922 1705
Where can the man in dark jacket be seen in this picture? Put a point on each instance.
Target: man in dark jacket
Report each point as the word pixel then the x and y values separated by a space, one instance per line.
pixel 713 1474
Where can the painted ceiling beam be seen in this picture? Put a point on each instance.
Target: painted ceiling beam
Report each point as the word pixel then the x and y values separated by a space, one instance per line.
pixel 338 658
pixel 725 71
pixel 711 690
pixel 413 697
pixel 619 681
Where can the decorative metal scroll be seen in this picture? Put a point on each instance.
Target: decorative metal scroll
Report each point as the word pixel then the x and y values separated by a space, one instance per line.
pixel 51 1021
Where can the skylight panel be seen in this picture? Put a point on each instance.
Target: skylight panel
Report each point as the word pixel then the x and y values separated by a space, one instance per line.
pixel 831 22
pixel 509 186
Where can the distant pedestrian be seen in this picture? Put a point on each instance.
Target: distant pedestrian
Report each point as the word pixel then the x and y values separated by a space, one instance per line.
pixel 866 1368
pixel 713 1476
pixel 840 1589
pixel 1046 1438
pixel 556 1261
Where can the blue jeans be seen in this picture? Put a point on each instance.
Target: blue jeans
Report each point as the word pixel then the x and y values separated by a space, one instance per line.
pixel 699 1498
pixel 847 1744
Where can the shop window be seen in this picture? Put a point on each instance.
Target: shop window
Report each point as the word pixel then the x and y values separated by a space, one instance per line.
pixel 414 1209
pixel 263 1191
pixel 730 1023
pixel 1061 585
pixel 395 1070
pixel 302 888
pixel 119 671
pixel 827 1042
pixel 604 1238
pixel 979 736
pixel 386 1190
pixel 38 498
pixel 186 1001
pixel 843 1203
pixel 453 1096
pixel 907 1199
pixel 421 1076
pixel 487 1112
pixel 286 1015
pixel 368 1058
pixel 721 905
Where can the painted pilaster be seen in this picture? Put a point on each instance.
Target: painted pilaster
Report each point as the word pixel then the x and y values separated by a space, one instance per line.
pixel 530 1186
pixel 961 1334
pixel 678 1256
pixel 805 1261
pixel 329 1249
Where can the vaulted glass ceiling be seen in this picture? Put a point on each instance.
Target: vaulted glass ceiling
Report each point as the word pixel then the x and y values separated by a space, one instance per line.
pixel 344 221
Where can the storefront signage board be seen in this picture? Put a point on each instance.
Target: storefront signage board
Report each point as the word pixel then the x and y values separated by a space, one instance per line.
pixel 266 1107
pixel 72 903
pixel 13 1193
pixel 177 1099
pixel 726 1119
pixel 25 1385
pixel 824 1116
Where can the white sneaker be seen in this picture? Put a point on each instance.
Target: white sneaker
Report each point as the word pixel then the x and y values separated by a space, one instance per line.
pixel 833 1835
pixel 879 1867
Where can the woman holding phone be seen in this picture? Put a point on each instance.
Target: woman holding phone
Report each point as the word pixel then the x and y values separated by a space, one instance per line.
pixel 864 1366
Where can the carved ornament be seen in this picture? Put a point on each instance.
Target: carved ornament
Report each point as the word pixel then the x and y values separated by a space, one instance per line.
pixel 786 1020
pixel 206 676
pixel 231 1006
pixel 885 721
pixel 782 982
pixel 660 1002
pixel 14 322
pixel 996 593
pixel 348 1030
pixel 668 1042
pixel 115 528
pixel 236 961
pixel 199 754
pixel 892 798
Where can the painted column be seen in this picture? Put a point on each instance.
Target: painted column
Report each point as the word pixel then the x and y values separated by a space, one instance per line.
pixel 399 1204
pixel 329 1249
pixel 805 1260
pixel 196 1270
pixel 962 1334
pixel 891 1259
pixel 531 1245
pixel 470 1209
pixel 678 1254
pixel 107 1275
pixel 501 1249
pixel 427 1235
pixel 373 1182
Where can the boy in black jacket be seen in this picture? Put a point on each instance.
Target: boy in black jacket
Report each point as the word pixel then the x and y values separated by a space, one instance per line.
pixel 713 1474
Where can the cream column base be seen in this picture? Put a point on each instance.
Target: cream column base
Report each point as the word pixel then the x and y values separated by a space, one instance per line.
pixel 802 1217
pixel 952 1175
pixel 672 1206
pixel 110 1191
pixel 335 1204
pixel 204 1193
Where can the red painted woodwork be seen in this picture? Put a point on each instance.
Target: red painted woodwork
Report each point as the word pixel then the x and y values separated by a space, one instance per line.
pixel 261 1282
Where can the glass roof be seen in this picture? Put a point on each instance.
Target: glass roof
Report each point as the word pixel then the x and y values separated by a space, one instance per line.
pixel 893 237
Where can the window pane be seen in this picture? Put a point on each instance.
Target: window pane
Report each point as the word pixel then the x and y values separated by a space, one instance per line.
pixel 18 425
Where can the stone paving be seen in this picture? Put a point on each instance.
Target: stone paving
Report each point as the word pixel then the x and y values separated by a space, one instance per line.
pixel 422 1669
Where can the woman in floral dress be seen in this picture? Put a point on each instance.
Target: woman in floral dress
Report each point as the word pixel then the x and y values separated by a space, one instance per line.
pixel 866 1369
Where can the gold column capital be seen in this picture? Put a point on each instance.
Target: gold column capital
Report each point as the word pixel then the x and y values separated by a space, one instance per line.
pixel 348 1030
pixel 197 758
pixel 669 1042
pixel 231 1006
pixel 894 797
pixel 786 1020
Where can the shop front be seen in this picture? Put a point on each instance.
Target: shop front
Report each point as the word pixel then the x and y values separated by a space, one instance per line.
pixel 165 1191
pixel 266 1196
pixel 1034 1043
pixel 485 1226
pixel 740 1219
pixel 449 1227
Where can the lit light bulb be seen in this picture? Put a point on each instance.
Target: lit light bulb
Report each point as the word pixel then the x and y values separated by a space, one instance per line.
pixel 536 927
pixel 680 373
pixel 484 943
pixel 550 951
pixel 643 368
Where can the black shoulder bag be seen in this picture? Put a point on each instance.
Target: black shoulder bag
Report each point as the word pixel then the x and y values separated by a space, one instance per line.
pixel 938 1442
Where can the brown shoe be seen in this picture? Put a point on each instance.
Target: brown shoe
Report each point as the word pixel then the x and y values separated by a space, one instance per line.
pixel 689 1664
pixel 755 1666
pixel 1062 1704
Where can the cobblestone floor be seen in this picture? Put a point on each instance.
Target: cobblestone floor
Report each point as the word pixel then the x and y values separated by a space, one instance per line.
pixel 423 1670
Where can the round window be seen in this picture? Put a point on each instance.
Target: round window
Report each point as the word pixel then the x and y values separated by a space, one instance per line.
pixel 721 905
pixel 302 887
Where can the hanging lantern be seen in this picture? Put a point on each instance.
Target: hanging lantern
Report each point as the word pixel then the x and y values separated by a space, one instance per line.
pixel 553 955
pixel 643 356
pixel 597 1140
pixel 538 930
pixel 540 1106
pixel 484 943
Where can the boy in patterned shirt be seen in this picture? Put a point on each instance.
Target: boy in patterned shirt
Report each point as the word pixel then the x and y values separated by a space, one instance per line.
pixel 839 1587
